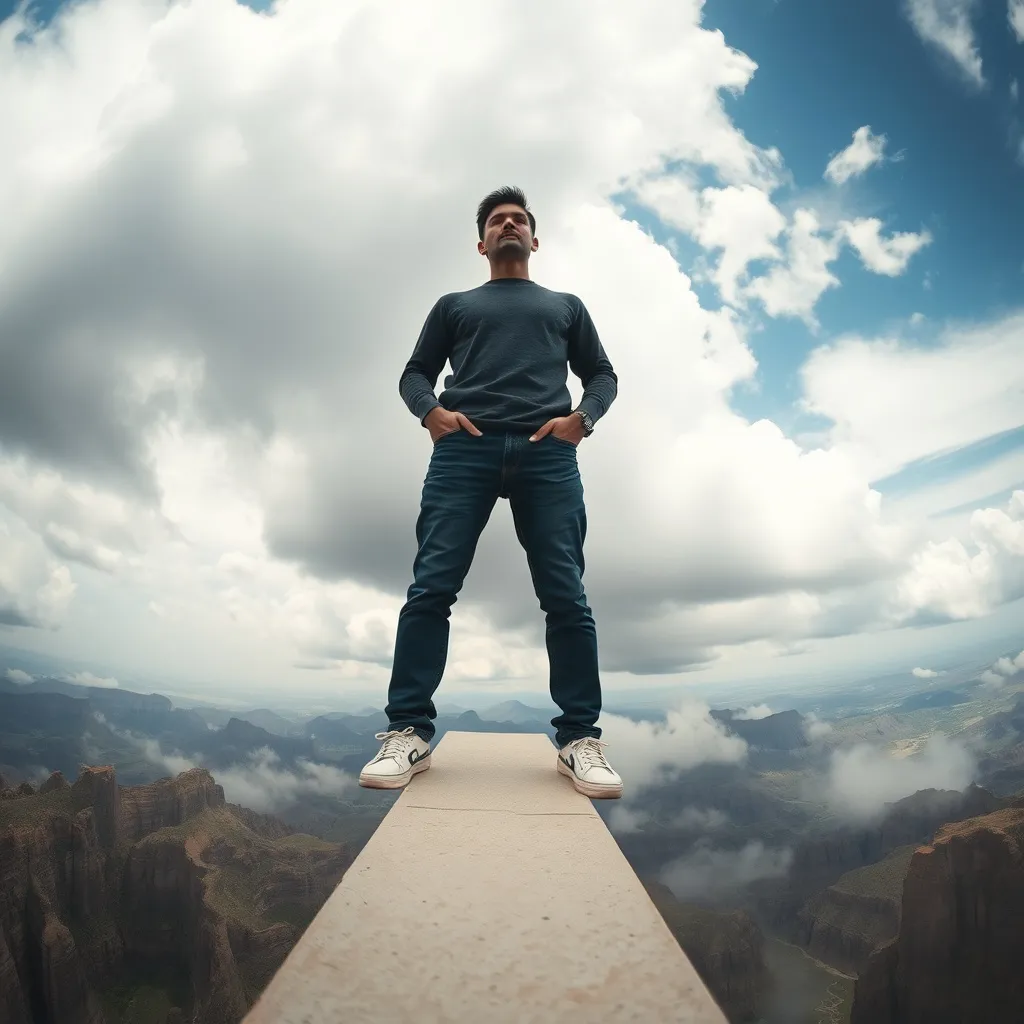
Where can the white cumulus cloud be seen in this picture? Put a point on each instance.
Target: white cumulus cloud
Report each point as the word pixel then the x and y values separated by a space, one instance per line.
pixel 1015 13
pixel 740 222
pixel 951 579
pixel 196 415
pixel 261 782
pixel 866 150
pixel 793 287
pixel 754 712
pixel 1002 671
pixel 648 753
pixel 35 590
pixel 924 673
pixel 879 254
pixel 815 728
pixel 707 872
pixel 624 818
pixel 90 679
pixel 264 785
pixel 966 386
pixel 947 25
pixel 864 778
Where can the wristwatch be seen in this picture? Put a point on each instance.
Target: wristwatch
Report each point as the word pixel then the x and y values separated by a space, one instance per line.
pixel 588 423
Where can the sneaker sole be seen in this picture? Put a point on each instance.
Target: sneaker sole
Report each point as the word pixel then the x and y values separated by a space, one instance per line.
pixel 591 789
pixel 394 781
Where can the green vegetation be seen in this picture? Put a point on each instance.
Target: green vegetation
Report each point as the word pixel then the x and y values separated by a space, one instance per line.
pixel 235 887
pixel 93 930
pixel 884 879
pixel 304 843
pixel 32 810
pixel 146 996
pixel 294 914
pixel 350 820
pixel 214 822
pixel 143 1005
pixel 232 891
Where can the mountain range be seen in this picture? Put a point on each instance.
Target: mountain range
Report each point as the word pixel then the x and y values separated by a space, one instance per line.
pixel 782 903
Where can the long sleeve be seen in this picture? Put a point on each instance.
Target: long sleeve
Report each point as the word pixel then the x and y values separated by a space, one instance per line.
pixel 432 349
pixel 588 360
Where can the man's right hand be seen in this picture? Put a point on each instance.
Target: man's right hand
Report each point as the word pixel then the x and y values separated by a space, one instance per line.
pixel 440 421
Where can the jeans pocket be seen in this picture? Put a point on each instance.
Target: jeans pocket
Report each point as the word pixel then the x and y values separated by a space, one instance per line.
pixel 447 433
pixel 562 440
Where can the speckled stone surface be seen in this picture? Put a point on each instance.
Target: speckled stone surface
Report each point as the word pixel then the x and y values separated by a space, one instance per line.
pixel 492 891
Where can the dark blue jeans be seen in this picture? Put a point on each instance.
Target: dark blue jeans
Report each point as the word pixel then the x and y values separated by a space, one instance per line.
pixel 541 480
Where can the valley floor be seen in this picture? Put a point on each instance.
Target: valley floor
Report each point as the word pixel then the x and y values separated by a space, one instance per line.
pixel 807 991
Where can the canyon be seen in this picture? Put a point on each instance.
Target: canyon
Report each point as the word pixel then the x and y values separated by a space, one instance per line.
pixel 957 956
pixel 161 902
pixel 819 862
pixel 109 891
pixel 726 949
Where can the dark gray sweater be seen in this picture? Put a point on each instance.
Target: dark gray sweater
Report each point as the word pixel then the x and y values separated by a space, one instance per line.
pixel 510 343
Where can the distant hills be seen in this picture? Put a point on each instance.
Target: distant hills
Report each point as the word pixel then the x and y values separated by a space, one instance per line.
pixel 934 699
pixel 838 897
pixel 516 712
pixel 51 724
pixel 261 717
pixel 781 731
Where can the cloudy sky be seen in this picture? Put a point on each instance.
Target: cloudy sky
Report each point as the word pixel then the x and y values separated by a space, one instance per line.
pixel 797 228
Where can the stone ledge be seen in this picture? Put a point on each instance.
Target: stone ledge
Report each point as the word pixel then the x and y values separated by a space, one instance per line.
pixel 518 908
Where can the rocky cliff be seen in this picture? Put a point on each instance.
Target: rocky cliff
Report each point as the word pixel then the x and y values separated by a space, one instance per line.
pixel 846 923
pixel 725 948
pixel 958 955
pixel 104 889
pixel 818 862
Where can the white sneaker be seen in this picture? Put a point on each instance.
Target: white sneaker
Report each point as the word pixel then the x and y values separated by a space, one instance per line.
pixel 584 762
pixel 401 756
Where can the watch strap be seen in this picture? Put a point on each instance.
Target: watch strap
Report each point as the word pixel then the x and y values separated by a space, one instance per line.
pixel 588 423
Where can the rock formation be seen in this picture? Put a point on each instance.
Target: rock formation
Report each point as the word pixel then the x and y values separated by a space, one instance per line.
pixel 957 958
pixel 846 923
pixel 103 886
pixel 725 947
pixel 820 861
pixel 54 783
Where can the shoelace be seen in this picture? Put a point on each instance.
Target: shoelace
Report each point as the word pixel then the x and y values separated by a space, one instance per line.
pixel 394 742
pixel 590 753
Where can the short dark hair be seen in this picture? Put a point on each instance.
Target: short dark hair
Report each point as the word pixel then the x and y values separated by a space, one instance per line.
pixel 500 196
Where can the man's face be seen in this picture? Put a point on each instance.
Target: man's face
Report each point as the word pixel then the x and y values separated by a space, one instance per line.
pixel 507 233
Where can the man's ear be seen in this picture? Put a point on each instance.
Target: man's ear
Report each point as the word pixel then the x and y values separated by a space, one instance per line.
pixel 480 248
pixel 534 244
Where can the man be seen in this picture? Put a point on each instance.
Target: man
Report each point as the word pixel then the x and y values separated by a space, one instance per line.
pixel 502 428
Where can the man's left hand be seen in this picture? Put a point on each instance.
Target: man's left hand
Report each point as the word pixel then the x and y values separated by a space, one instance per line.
pixel 568 428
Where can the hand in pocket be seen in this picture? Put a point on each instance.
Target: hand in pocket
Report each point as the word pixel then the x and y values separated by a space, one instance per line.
pixel 440 421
